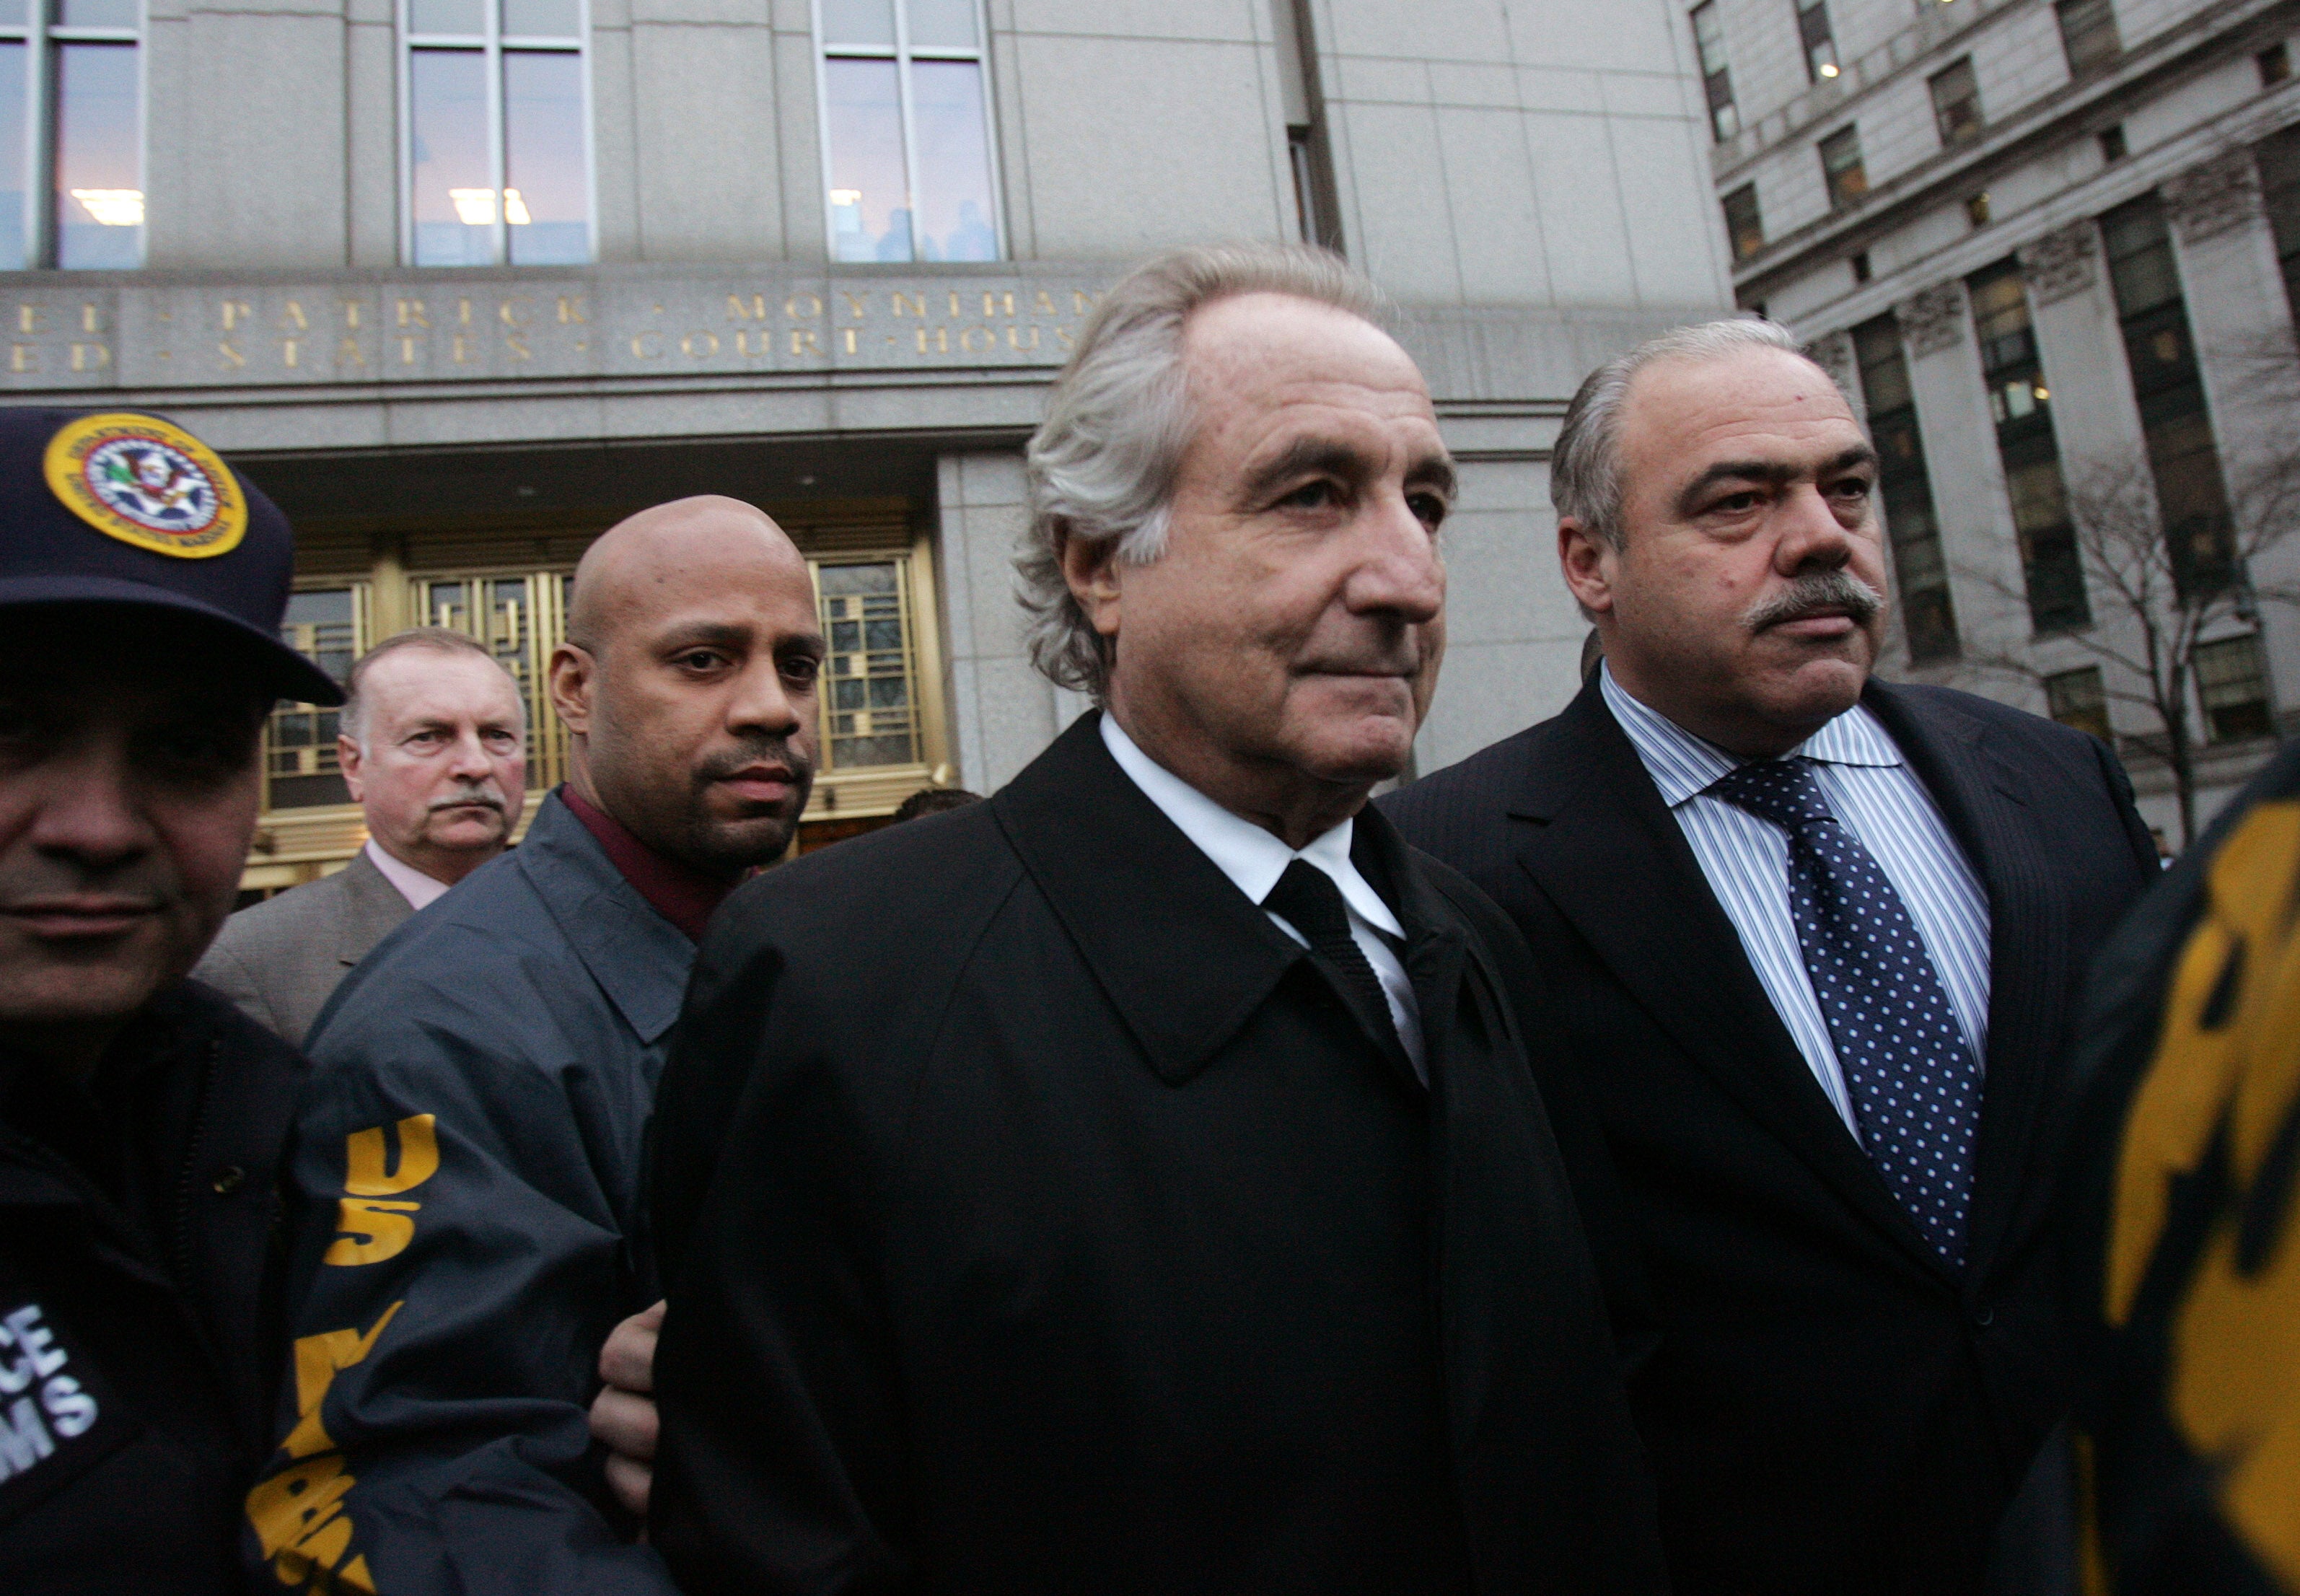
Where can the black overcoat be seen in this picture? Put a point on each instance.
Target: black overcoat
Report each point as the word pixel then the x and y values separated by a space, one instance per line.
pixel 1041 1219
pixel 1830 1410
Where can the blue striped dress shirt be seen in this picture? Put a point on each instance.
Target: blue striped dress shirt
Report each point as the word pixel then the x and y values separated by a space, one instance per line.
pixel 1745 860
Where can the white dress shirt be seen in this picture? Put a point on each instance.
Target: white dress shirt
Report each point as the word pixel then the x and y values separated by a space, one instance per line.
pixel 420 889
pixel 1874 794
pixel 1254 858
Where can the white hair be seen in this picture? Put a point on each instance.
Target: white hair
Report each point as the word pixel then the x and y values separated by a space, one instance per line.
pixel 1102 466
pixel 1585 468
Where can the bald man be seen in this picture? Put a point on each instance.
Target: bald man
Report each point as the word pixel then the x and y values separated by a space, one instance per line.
pixel 468 1157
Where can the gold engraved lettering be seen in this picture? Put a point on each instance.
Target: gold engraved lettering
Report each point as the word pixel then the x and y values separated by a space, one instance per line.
pixel 91 357
pixel 639 350
pixel 1014 338
pixel 942 340
pixel 743 342
pixel 287 351
pixel 463 312
pixel 805 341
pixel 791 306
pixel 1062 337
pixel 516 342
pixel 293 316
pixel 506 309
pixel 990 305
pixel 28 318
pixel 407 351
pixel 989 336
pixel 23 358
pixel 231 357
pixel 699 346
pixel 570 308
pixel 1044 304
pixel 855 304
pixel 351 313
pixel 410 313
pixel 458 353
pixel 849 331
pixel 235 311
pixel 954 312
pixel 918 303
pixel 736 310
pixel 1081 301
pixel 347 353
pixel 87 319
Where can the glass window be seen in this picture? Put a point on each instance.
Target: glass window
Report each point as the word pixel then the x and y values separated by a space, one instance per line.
pixel 868 691
pixel 2088 33
pixel 1743 226
pixel 498 161
pixel 2020 404
pixel 1820 43
pixel 1841 167
pixel 300 769
pixel 1716 77
pixel 1956 103
pixel 2077 698
pixel 2232 681
pixel 2278 156
pixel 906 132
pixel 74 112
pixel 1906 488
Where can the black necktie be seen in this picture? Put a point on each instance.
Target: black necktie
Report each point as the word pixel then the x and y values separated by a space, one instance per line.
pixel 1306 898
pixel 1914 1084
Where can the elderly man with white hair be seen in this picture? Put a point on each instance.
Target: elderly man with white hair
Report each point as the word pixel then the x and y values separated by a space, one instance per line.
pixel 1817 939
pixel 1136 1182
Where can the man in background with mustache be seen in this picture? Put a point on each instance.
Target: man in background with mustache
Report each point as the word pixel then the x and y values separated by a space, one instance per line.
pixel 468 1154
pixel 1816 939
pixel 433 743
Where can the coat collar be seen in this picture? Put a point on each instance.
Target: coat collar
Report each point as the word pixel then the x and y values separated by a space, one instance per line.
pixel 1175 946
pixel 1614 860
pixel 374 909
pixel 639 960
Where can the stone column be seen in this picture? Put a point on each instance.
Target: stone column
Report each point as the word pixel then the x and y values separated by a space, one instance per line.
pixel 1003 712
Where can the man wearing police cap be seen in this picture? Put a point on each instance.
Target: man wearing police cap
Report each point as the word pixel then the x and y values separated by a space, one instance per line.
pixel 142 1117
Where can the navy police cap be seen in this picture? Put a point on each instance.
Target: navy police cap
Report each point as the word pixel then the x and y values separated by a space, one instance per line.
pixel 118 507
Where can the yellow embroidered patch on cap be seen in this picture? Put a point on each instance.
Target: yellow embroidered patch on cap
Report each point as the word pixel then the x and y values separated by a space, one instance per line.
pixel 143 481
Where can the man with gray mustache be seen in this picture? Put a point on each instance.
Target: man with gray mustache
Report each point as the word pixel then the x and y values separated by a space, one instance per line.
pixel 432 740
pixel 1817 939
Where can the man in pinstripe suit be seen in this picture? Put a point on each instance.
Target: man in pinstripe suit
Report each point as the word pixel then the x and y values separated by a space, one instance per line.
pixel 1815 939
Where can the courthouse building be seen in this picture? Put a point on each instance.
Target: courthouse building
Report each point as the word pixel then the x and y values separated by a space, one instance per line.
pixel 2055 246
pixel 460 282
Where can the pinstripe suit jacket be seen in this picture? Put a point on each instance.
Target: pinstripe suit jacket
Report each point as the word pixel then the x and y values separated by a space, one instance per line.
pixel 1830 1408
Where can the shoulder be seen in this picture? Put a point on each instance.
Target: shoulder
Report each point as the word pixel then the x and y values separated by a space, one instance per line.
pixel 1460 813
pixel 282 921
pixel 2013 732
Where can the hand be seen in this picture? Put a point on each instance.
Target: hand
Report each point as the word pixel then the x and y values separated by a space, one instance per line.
pixel 622 1417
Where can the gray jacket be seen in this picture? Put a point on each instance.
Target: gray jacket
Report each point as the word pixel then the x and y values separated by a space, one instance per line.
pixel 466 1181
pixel 282 959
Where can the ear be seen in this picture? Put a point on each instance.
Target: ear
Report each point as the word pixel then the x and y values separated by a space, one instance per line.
pixel 1588 562
pixel 573 673
pixel 353 764
pixel 1091 570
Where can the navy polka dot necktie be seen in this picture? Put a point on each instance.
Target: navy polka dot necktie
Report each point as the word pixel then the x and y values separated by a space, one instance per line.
pixel 1915 1083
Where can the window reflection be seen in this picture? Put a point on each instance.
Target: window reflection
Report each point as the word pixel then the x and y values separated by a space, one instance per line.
pixel 99 165
pixel 909 158
pixel 454 200
pixel 545 201
pixel 542 18
pixel 15 242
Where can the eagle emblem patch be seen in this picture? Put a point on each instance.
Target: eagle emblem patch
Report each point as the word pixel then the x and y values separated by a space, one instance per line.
pixel 143 481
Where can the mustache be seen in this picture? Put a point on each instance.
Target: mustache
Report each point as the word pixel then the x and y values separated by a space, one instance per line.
pixel 1813 593
pixel 474 794
pixel 755 750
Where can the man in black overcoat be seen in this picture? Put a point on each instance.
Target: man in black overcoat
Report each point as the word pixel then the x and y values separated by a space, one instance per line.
pixel 1136 1182
pixel 1814 939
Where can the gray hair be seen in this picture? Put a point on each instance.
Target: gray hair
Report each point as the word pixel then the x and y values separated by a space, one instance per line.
pixel 1102 466
pixel 1585 468
pixel 351 720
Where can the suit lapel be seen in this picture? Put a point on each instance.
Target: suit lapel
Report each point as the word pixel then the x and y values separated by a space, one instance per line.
pixel 2028 973
pixel 1614 860
pixel 375 907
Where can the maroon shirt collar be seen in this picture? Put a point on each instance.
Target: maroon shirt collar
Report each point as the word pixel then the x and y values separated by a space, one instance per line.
pixel 679 893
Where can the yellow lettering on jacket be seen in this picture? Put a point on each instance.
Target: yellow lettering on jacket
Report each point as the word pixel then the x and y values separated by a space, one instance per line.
pixel 318 1358
pixel 365 1173
pixel 368 1232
